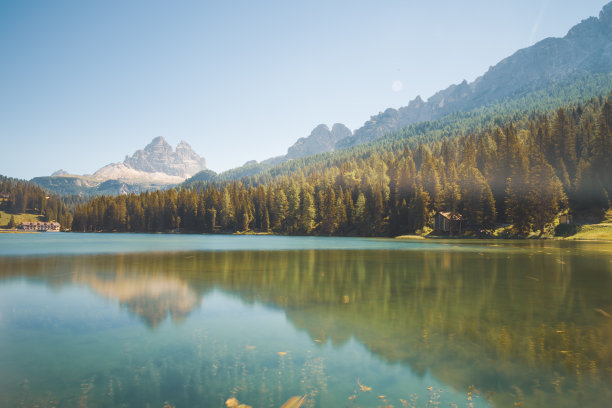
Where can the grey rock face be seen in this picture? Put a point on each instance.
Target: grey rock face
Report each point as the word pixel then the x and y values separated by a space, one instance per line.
pixel 587 48
pixel 320 140
pixel 158 156
pixel 60 172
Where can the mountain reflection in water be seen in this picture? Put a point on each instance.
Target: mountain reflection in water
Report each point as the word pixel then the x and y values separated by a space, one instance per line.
pixel 531 328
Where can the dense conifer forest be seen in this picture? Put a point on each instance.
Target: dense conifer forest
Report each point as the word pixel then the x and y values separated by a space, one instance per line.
pixel 523 170
pixel 25 197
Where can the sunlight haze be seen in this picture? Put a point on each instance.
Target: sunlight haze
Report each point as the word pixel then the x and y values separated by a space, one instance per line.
pixel 85 83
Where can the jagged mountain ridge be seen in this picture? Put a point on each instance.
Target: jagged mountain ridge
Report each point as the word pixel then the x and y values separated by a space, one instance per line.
pixel 320 140
pixel 587 48
pixel 154 167
pixel 158 156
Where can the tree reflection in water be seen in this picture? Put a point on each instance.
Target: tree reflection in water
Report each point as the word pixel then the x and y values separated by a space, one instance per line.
pixel 530 326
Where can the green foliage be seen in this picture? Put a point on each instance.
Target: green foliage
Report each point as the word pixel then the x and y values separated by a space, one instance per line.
pixel 26 197
pixel 565 230
pixel 11 223
pixel 522 168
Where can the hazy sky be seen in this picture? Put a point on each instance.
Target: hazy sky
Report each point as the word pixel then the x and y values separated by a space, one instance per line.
pixel 83 83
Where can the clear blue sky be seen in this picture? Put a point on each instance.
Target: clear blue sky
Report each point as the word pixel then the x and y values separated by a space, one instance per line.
pixel 83 83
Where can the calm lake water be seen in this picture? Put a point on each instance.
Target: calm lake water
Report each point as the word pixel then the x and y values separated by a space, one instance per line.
pixel 108 320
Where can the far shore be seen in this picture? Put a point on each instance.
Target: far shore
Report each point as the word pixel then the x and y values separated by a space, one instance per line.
pixel 16 231
pixel 601 232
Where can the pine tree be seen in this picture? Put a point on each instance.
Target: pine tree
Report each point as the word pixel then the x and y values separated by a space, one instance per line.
pixel 359 213
pixel 307 213
pixel 226 213
pixel 519 205
pixel 281 208
pixel 547 196
pixel 420 213
pixel 11 223
pixel 329 222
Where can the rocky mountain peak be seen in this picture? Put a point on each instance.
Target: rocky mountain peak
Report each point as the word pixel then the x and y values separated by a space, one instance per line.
pixel 339 131
pixel 320 140
pixel 158 145
pixel 158 156
pixel 60 172
pixel 605 15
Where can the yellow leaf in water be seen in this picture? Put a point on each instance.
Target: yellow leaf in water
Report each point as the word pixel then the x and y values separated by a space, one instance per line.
pixel 231 402
pixel 244 406
pixel 345 299
pixel 382 396
pixel 294 402
pixel 282 353
pixel 250 347
pixel 363 388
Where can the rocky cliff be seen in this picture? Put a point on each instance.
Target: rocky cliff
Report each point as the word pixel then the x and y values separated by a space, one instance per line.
pixel 320 140
pixel 158 156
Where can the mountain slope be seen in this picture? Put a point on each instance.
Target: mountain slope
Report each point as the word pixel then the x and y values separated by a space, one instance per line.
pixel 583 55
pixel 586 49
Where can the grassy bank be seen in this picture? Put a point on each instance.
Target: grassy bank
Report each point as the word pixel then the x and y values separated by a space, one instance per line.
pixel 19 218
pixel 596 232
pixel 588 232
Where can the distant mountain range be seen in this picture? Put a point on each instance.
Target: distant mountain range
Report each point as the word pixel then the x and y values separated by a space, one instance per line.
pixel 586 50
pixel 156 166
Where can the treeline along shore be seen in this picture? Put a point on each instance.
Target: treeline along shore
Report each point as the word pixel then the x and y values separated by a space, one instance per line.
pixel 524 171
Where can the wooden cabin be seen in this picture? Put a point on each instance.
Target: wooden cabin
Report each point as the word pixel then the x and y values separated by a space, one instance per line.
pixel 444 223
pixel 566 219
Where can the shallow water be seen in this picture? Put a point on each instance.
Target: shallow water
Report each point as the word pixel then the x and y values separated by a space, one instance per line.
pixel 109 320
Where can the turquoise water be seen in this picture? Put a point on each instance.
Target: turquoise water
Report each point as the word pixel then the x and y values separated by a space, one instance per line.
pixel 80 243
pixel 109 320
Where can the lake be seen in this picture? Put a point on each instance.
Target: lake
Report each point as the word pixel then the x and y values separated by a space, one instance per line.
pixel 136 320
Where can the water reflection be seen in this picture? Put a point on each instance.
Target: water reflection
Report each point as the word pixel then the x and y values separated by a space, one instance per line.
pixel 531 328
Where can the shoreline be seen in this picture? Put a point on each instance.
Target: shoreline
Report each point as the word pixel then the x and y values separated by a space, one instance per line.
pixel 8 231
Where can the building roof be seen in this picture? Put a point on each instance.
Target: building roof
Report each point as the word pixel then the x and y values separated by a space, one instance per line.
pixel 447 215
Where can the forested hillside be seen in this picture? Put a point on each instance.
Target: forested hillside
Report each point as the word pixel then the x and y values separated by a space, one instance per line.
pixel 574 88
pixel 21 197
pixel 524 170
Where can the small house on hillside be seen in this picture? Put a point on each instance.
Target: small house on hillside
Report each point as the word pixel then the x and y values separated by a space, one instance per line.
pixel 445 223
pixel 39 226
